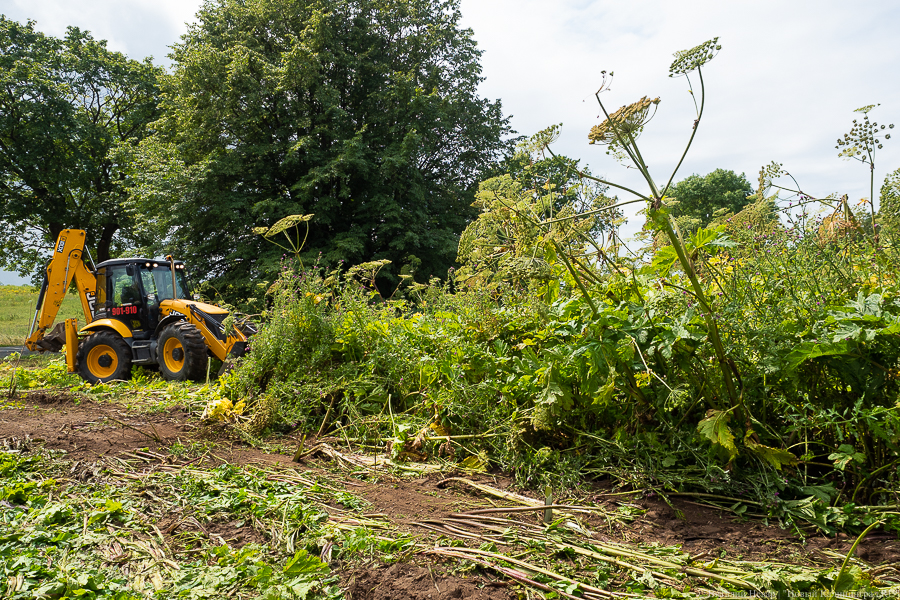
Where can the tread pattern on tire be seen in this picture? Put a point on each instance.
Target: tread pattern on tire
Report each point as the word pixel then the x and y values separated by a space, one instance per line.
pixel 195 351
pixel 114 341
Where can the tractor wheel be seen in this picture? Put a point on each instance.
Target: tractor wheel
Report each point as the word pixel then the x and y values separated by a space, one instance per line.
pixel 182 353
pixel 104 356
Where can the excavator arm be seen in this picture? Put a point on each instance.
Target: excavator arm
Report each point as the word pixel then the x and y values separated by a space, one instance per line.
pixel 66 265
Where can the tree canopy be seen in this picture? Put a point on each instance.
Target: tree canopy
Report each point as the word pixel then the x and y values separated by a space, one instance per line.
pixel 701 198
pixel 889 206
pixel 65 105
pixel 537 208
pixel 363 113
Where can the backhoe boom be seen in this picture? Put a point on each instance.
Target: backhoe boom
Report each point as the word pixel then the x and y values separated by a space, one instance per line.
pixel 67 264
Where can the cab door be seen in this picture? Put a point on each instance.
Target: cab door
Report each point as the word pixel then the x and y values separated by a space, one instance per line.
pixel 119 293
pixel 152 298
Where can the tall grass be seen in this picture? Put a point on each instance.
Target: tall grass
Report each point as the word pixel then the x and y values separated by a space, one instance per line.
pixel 17 306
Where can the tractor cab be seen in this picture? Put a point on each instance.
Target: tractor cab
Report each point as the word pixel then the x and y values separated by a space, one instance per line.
pixel 130 290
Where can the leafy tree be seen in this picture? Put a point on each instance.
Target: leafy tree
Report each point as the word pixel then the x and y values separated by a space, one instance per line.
pixel 542 173
pixel 64 105
pixel 889 206
pixel 539 207
pixel 364 113
pixel 700 199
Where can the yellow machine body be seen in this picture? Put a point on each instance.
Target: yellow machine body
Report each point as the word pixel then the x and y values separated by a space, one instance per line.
pixel 182 308
pixel 71 344
pixel 173 333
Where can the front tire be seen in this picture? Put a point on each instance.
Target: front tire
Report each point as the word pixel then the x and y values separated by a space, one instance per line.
pixel 104 356
pixel 182 353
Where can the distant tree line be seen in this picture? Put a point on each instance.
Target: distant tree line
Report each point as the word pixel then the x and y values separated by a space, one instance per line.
pixel 65 106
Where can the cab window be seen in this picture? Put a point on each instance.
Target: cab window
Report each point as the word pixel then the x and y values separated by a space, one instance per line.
pixel 159 281
pixel 149 282
pixel 118 286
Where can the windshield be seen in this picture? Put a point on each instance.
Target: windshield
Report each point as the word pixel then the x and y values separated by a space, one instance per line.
pixel 159 281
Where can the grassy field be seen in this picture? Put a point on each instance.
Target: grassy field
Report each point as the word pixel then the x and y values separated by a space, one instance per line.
pixel 17 304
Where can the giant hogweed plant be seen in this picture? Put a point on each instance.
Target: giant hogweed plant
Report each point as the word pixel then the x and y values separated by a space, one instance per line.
pixel 860 144
pixel 619 132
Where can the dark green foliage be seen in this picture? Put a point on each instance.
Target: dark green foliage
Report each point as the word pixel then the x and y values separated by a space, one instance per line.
pixel 889 206
pixel 552 389
pixel 701 198
pixel 65 104
pixel 363 113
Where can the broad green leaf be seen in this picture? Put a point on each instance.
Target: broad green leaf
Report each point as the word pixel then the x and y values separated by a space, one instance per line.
pixel 809 350
pixel 625 350
pixel 846 454
pixel 847 332
pixel 848 579
pixel 303 563
pixel 663 261
pixel 825 493
pixel 301 587
pixel 474 463
pixel 607 390
pixel 715 429
pixel 708 237
pixel 774 456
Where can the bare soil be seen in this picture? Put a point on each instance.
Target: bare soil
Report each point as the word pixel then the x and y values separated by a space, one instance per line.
pixel 88 430
pixel 417 582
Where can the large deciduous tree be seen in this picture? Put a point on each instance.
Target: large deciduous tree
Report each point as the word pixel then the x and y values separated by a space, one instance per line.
pixel 889 207
pixel 65 104
pixel 701 198
pixel 364 113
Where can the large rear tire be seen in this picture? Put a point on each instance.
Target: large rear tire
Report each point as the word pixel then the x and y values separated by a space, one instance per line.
pixel 182 353
pixel 104 356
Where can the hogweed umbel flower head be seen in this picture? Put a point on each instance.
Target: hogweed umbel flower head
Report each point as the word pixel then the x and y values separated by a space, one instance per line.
pixel 864 137
pixel 627 121
pixel 691 60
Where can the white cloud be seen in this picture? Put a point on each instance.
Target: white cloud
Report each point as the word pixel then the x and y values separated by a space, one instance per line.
pixel 138 28
pixel 783 88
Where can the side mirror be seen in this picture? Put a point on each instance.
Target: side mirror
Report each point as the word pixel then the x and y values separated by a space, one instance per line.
pixel 129 270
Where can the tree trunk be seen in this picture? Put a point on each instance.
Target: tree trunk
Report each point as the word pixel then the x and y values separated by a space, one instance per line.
pixel 105 241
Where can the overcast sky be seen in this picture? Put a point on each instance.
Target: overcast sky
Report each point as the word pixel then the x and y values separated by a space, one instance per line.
pixel 783 88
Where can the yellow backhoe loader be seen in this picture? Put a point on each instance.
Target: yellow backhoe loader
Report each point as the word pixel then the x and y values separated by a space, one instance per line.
pixel 136 315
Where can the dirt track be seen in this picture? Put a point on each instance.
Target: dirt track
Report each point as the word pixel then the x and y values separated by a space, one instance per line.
pixel 88 431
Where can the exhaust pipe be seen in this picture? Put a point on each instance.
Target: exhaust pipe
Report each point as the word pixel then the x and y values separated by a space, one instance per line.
pixel 172 267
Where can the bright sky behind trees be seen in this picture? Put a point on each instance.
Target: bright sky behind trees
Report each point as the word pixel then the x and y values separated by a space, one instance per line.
pixel 783 87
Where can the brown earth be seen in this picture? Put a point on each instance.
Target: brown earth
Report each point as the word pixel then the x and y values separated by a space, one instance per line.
pixel 416 582
pixel 88 431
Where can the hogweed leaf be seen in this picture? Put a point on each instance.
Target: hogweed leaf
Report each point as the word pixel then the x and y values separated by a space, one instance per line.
pixel 663 261
pixel 809 350
pixel 715 429
pixel 777 457
pixel 303 563
pixel 846 454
